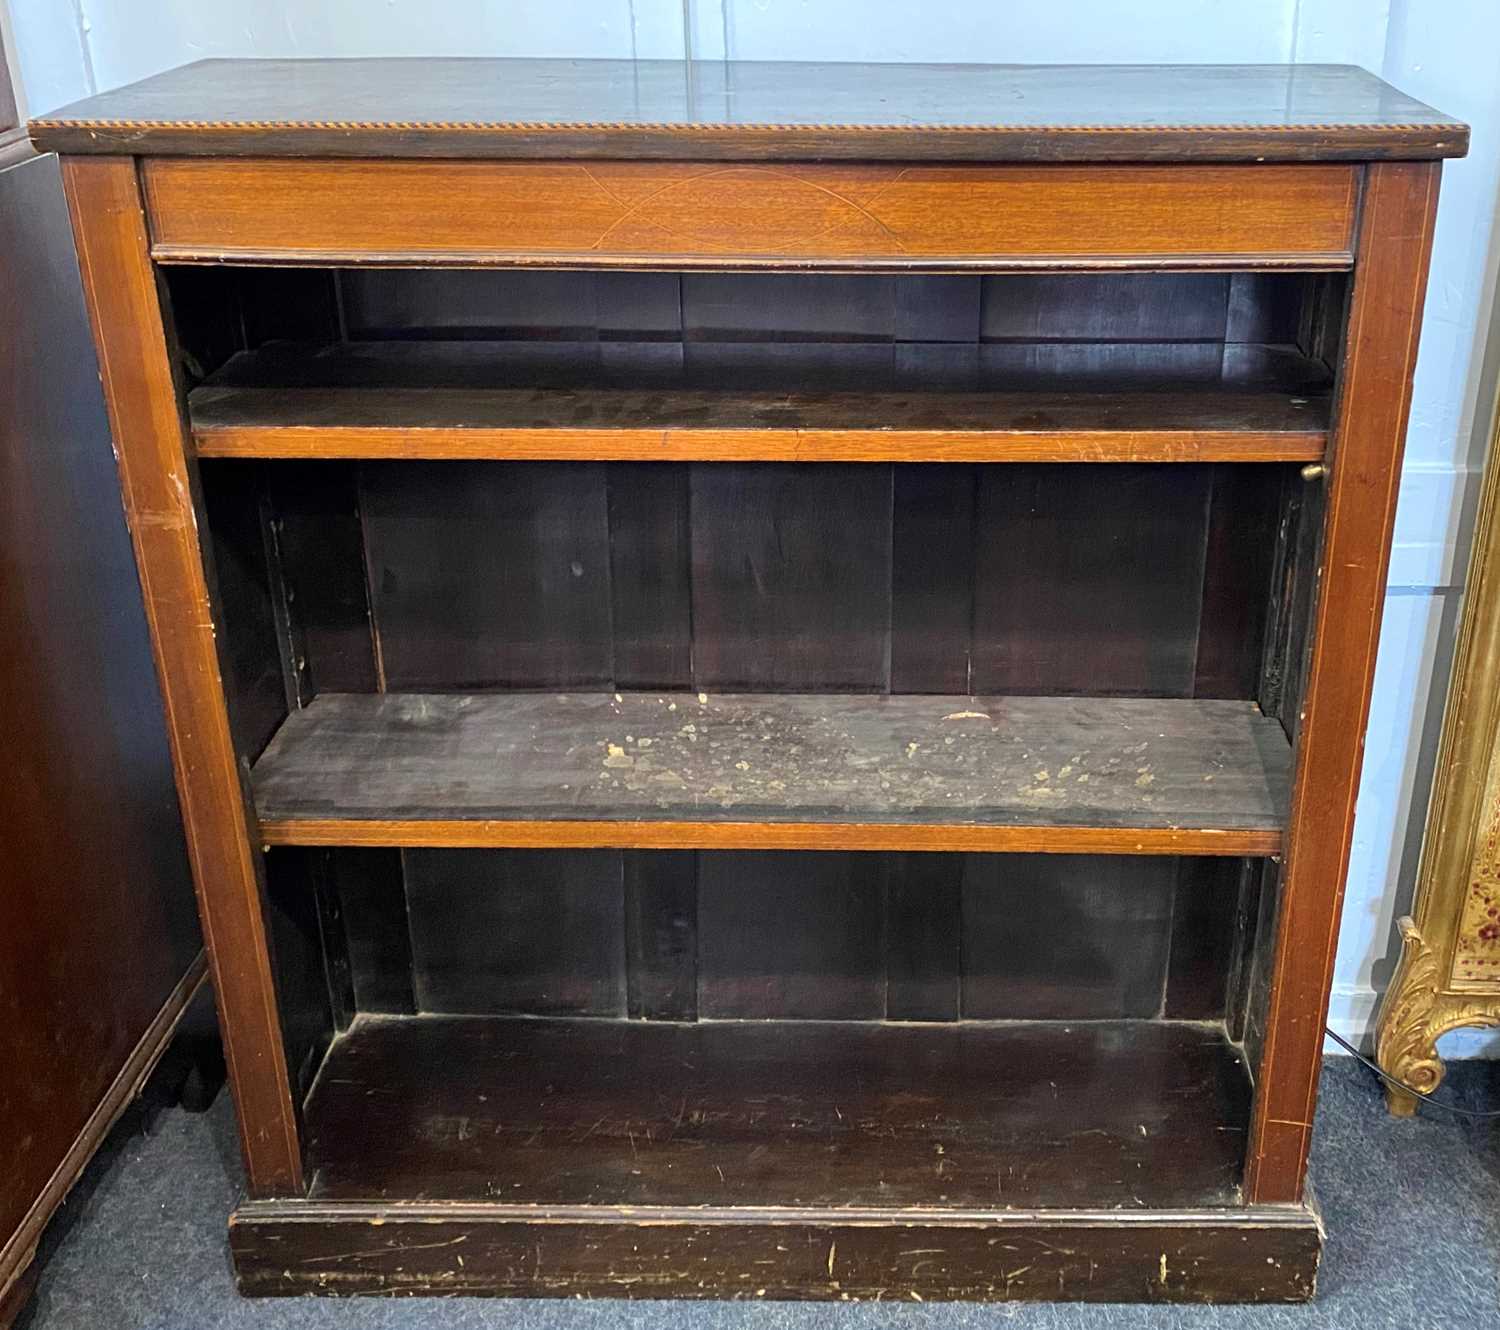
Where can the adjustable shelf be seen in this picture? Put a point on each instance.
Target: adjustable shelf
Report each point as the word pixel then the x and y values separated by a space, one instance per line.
pixel 772 402
pixel 643 770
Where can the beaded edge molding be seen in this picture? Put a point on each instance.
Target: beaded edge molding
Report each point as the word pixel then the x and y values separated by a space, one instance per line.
pixel 718 127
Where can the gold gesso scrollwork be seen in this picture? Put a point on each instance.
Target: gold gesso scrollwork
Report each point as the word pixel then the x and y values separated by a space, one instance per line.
pixel 1413 1016
pixel 1476 951
pixel 1449 972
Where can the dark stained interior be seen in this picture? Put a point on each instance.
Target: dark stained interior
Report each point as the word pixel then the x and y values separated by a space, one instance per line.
pixel 499 606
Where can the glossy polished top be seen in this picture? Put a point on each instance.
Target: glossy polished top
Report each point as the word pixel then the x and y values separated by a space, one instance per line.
pixel 756 111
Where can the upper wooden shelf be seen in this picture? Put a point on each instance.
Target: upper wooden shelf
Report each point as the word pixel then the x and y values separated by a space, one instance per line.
pixel 703 401
pixel 756 111
pixel 751 771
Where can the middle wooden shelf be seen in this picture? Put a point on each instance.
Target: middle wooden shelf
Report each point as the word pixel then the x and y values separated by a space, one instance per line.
pixel 777 771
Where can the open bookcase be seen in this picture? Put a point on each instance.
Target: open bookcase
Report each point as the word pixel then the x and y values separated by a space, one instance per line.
pixel 763 730
pixel 542 746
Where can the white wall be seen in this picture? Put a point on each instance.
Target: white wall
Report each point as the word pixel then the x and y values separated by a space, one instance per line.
pixel 68 48
pixel 1446 442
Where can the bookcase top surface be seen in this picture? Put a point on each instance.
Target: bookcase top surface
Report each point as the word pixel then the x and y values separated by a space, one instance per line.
pixel 420 107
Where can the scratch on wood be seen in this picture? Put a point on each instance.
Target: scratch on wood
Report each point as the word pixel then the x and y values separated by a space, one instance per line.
pixel 365 1255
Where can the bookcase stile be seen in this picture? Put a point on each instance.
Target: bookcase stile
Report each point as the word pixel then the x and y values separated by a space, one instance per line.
pixel 1398 209
pixel 160 492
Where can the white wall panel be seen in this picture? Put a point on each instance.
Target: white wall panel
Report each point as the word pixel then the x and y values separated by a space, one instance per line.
pixel 1165 31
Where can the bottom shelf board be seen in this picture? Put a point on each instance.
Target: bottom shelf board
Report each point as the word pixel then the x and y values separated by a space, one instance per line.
pixel 833 1115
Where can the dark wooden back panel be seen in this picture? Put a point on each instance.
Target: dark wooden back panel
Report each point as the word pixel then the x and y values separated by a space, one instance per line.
pixel 719 307
pixel 733 577
pixel 260 658
pixel 1112 317
pixel 826 935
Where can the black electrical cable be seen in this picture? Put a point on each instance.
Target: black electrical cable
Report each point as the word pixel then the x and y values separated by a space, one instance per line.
pixel 1425 1100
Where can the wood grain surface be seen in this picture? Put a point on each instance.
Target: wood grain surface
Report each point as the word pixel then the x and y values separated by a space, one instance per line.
pixel 1127 210
pixel 753 109
pixel 503 400
pixel 673 215
pixel 1232 1254
pixel 160 489
pixel 367 766
pixel 1369 433
pixel 454 576
pixel 97 921
pixel 1010 1115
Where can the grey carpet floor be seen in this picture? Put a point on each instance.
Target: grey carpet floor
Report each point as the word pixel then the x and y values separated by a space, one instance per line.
pixel 1412 1209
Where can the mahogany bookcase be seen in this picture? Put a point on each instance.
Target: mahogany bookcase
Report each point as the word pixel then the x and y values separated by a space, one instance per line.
pixel 767 664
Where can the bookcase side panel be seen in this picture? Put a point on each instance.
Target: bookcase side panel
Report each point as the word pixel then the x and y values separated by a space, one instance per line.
pixel 1373 398
pixel 159 487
